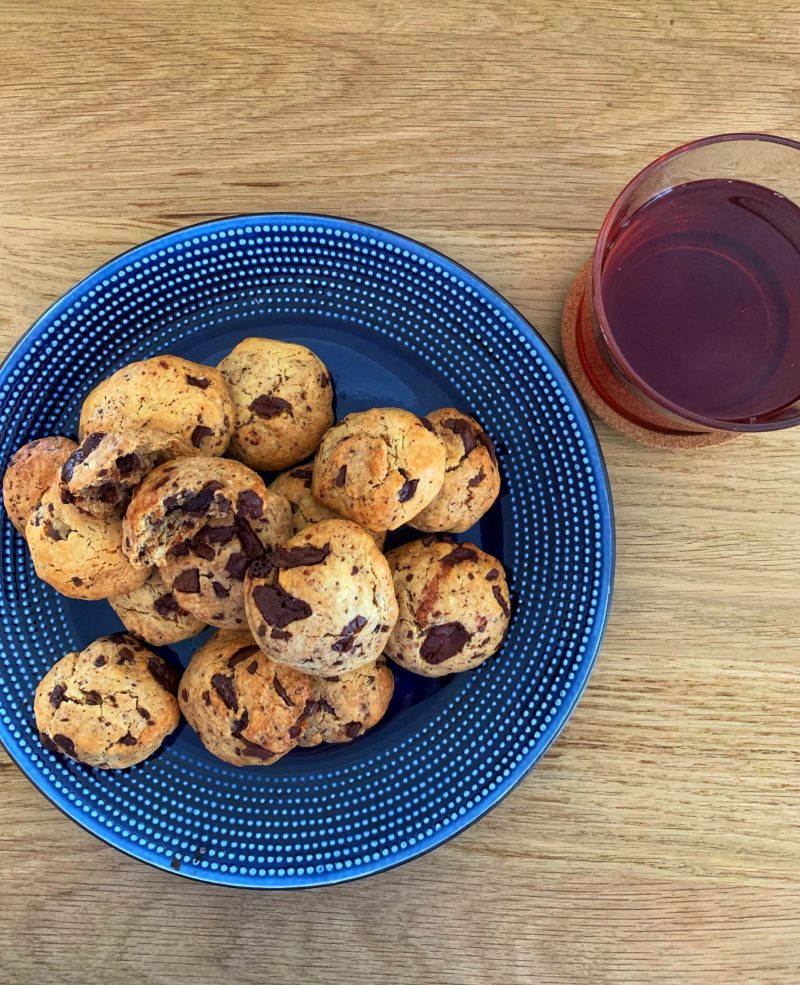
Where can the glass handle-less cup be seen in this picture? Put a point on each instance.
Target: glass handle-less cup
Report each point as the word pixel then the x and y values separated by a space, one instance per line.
pixel 692 323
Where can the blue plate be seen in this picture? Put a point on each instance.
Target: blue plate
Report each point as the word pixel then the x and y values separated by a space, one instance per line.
pixel 397 324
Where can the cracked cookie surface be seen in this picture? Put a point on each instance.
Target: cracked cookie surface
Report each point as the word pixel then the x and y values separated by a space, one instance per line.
pixel 244 707
pixel 379 467
pixel 80 555
pixel 295 485
pixel 153 612
pixel 453 603
pixel 283 398
pixel 206 572
pixel 471 479
pixel 344 706
pixel 32 470
pixel 179 397
pixel 324 602
pixel 110 705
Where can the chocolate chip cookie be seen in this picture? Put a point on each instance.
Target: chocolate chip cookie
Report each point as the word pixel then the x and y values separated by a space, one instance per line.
pixel 80 555
pixel 324 601
pixel 471 479
pixel 179 397
pixel 379 467
pixel 153 613
pixel 246 709
pixel 110 705
pixel 453 602
pixel 32 469
pixel 206 572
pixel 178 497
pixel 283 398
pixel 101 474
pixel 344 706
pixel 295 485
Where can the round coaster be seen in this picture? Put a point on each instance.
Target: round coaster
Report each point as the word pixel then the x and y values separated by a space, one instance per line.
pixel 652 437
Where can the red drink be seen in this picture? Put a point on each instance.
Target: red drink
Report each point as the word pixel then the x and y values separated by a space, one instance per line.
pixel 701 292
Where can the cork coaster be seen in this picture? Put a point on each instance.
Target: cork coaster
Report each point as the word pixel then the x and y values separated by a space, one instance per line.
pixel 652 437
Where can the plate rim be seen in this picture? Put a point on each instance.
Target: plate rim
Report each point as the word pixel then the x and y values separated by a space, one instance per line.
pixel 554 365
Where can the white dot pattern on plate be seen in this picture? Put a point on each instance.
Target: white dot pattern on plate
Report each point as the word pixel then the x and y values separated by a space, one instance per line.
pixel 418 787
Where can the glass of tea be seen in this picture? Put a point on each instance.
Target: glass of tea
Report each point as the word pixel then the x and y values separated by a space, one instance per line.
pixel 692 320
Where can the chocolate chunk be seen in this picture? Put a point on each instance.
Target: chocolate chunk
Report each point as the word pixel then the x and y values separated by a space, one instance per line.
pixel 381 629
pixel 492 575
pixel 296 557
pixel 501 601
pixel 249 503
pixel 255 751
pixel 206 696
pixel 90 442
pixel 220 590
pixel 201 549
pixel 310 708
pixel 324 380
pixel 127 740
pixel 221 534
pixel 179 550
pixel 331 680
pixel 57 695
pixel 128 463
pixel 92 698
pixel 65 743
pixel 252 667
pixel 184 694
pixel 163 674
pixel 66 497
pixel 100 661
pixel 429 539
pixel 476 480
pixel 354 570
pixel 144 713
pixel 407 490
pixel 461 553
pixel 280 634
pixel 487 443
pixel 304 474
pixel 341 475
pixel 240 724
pixel 48 743
pixel 198 505
pixel 225 689
pixel 352 729
pixel 51 531
pixel 76 581
pixel 242 654
pixel 443 641
pixel 108 492
pixel 188 581
pixel 282 692
pixel 427 424
pixel 125 655
pixel 237 565
pixel 167 605
pixel 278 607
pixel 464 430
pixel 249 540
pixel 200 433
pixel 354 626
pixel 198 381
pixel 326 706
pixel 344 645
pixel 295 731
pixel 269 407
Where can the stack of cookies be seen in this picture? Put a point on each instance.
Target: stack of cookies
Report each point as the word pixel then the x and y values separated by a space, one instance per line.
pixel 145 512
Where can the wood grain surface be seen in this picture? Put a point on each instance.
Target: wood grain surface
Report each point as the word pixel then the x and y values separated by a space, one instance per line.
pixel 658 841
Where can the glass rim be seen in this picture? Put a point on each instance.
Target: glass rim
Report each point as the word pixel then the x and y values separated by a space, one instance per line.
pixel 596 270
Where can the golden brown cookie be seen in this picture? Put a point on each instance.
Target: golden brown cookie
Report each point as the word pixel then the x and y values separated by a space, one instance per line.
pixel 283 398
pixel 110 705
pixel 177 498
pixel 80 555
pixel 295 485
pixel 206 572
pixel 379 467
pixel 31 471
pixel 324 602
pixel 344 706
pixel 453 602
pixel 245 708
pixel 471 479
pixel 182 398
pixel 153 613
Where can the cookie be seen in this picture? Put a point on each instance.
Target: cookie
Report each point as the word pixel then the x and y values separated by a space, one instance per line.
pixel 246 709
pixel 471 478
pixel 453 603
pixel 295 485
pixel 110 705
pixel 283 397
pixel 344 706
pixel 80 555
pixel 177 498
pixel 379 467
pixel 101 474
pixel 181 398
pixel 324 601
pixel 206 572
pixel 31 471
pixel 153 613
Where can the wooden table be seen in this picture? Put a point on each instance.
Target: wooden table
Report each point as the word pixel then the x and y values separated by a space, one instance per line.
pixel 658 841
